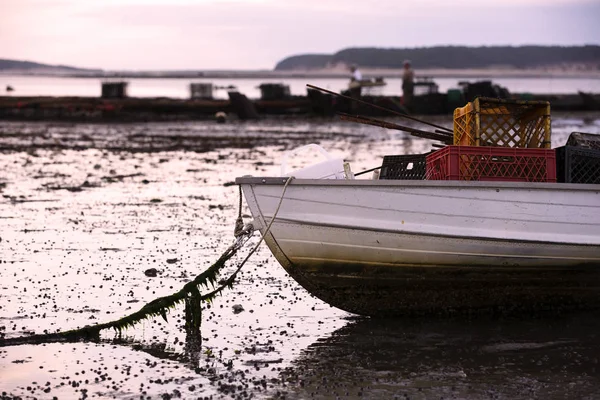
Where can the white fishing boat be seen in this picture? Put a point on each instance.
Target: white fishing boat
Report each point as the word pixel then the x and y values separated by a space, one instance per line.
pixel 367 83
pixel 397 247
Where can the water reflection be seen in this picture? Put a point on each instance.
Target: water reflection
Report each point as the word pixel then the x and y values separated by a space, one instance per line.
pixel 433 359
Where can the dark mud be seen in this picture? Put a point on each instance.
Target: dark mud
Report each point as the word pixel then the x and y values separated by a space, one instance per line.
pixel 157 137
pixel 453 359
pixel 87 209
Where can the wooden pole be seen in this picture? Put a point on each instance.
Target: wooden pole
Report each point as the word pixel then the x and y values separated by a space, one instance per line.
pixel 444 138
pixel 379 107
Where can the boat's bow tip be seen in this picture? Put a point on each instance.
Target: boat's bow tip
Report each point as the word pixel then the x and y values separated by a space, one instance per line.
pixel 239 179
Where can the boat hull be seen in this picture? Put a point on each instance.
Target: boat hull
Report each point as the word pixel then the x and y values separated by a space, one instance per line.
pixel 388 249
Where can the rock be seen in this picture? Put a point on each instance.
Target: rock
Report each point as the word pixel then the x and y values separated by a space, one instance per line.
pixel 221 117
pixel 151 272
pixel 237 308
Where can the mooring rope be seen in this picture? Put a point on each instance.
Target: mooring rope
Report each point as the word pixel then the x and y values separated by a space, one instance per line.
pixel 239 222
pixel 161 305
pixel 287 182
pixel 249 229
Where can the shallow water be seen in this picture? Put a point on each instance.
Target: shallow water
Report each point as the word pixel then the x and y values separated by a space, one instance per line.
pixel 179 88
pixel 85 209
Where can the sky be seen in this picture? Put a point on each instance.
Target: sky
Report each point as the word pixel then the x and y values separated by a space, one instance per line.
pixel 256 34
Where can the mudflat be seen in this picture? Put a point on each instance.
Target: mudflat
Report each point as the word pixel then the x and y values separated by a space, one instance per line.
pixel 86 209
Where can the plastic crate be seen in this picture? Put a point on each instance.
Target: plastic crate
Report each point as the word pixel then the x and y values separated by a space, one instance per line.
pixel 504 123
pixel 411 167
pixel 478 163
pixel 587 140
pixel 577 164
pixel 274 91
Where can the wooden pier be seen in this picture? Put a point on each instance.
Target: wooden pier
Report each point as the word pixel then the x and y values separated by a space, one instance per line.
pixel 127 109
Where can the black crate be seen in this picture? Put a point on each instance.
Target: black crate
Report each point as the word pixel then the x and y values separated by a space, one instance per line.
pixel 274 91
pixel 582 139
pixel 577 165
pixel 411 167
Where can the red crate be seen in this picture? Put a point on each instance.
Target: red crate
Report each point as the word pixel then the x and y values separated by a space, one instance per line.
pixel 485 163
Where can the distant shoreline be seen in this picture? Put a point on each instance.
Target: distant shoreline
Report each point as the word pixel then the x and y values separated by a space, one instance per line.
pixel 315 73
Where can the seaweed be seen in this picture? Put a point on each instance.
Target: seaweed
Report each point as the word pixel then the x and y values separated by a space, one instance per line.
pixel 190 295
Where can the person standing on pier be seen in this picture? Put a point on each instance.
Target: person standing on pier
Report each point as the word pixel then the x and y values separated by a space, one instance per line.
pixel 356 75
pixel 355 81
pixel 408 84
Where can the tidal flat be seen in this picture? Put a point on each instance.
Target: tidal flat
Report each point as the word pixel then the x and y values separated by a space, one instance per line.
pixel 86 209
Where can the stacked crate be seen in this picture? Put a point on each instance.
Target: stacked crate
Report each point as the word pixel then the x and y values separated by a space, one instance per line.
pixel 503 123
pixel 488 163
pixel 407 167
pixel 497 140
pixel 579 160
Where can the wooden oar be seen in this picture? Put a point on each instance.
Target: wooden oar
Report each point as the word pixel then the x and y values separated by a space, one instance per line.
pixel 444 138
pixel 379 107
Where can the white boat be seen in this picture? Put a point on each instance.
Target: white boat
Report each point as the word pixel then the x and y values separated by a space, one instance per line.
pixel 397 247
pixel 367 83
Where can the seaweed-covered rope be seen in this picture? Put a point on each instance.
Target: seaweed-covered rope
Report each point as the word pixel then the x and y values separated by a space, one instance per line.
pixel 239 222
pixel 161 305
pixel 287 182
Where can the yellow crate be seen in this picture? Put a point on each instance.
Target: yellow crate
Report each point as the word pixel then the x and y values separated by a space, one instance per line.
pixel 505 123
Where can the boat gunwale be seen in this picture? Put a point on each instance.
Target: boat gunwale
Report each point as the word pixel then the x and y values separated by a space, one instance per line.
pixel 280 181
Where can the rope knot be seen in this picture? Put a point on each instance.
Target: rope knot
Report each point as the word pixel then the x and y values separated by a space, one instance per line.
pixel 239 227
